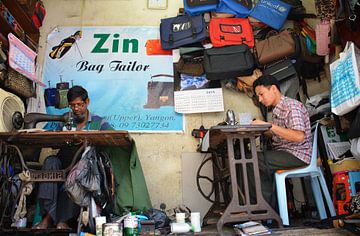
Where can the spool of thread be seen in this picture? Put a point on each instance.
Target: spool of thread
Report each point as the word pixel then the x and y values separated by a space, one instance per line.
pixel 180 217
pixel 180 227
pixel 195 221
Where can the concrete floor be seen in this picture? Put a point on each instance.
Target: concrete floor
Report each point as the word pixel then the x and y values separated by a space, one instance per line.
pixel 291 231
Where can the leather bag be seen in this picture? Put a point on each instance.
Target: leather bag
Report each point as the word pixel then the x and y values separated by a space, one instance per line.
pixel 160 93
pixel 181 30
pixel 18 84
pixel 275 47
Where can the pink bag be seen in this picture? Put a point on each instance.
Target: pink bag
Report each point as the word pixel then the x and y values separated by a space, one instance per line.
pixel 322 31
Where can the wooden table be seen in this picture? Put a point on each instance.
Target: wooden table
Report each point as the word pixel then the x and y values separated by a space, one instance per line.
pixel 59 139
pixel 239 210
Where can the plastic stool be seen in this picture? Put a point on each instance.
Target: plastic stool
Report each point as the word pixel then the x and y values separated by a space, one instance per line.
pixel 354 177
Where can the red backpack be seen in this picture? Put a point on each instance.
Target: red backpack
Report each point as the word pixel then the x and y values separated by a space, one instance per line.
pixel 231 31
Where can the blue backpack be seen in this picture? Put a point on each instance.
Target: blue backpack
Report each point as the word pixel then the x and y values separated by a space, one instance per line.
pixel 240 8
pixel 272 13
pixel 196 7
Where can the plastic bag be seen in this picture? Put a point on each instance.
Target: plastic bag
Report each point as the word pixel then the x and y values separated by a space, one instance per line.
pixel 84 179
pixel 345 81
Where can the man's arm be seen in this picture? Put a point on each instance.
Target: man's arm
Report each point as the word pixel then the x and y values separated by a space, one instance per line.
pixel 285 133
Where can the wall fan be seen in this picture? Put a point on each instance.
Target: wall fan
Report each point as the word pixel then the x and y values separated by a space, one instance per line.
pixel 11 109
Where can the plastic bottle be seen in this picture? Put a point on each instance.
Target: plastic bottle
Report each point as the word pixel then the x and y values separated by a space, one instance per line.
pixel 195 221
pixel 180 227
pixel 131 226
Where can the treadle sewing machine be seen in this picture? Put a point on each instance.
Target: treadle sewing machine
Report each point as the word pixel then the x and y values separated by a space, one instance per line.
pixel 12 145
pixel 237 205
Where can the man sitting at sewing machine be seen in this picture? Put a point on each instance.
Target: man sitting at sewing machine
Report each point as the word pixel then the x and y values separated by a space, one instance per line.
pixel 290 134
pixel 55 205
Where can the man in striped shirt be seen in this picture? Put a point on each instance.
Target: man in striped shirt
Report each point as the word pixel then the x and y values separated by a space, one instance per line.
pixel 290 134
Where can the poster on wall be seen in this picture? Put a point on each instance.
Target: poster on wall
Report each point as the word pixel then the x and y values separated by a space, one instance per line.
pixel 134 91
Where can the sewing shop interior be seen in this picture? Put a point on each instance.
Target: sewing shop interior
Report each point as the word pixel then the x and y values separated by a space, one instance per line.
pixel 179 117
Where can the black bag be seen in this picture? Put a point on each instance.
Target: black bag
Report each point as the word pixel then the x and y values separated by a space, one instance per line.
pixel 354 131
pixel 228 62
pixel 284 71
pixel 181 30
pixel 159 93
pixel 281 70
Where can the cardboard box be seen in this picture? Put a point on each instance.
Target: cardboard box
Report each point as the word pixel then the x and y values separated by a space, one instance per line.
pixel 345 165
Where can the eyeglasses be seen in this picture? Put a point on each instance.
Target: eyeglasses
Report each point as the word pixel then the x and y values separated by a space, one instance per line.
pixel 79 105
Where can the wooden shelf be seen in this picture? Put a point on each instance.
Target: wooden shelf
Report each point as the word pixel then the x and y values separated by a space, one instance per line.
pixel 21 16
pixel 6 29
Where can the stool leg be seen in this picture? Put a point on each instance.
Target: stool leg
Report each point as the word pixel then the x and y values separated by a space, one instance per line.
pixel 325 189
pixel 282 198
pixel 318 197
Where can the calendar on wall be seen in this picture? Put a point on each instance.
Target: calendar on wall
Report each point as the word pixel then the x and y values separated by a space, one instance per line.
pixel 22 58
pixel 198 101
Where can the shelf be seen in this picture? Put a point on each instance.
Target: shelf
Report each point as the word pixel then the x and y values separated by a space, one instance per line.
pixel 6 29
pixel 21 16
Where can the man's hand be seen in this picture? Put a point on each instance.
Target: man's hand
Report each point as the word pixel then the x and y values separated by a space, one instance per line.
pixel 259 122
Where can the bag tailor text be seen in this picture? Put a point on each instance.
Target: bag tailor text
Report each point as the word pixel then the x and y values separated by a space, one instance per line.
pixel 113 66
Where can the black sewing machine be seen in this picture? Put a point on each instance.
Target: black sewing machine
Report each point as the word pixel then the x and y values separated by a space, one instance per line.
pixel 30 120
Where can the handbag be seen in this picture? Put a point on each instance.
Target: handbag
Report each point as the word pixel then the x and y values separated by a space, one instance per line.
pixel 275 47
pixel 153 47
pixel 228 62
pixel 231 31
pixel 245 83
pixel 18 84
pixel 194 66
pixel 345 81
pixel 191 61
pixel 159 93
pixel 181 30
pixel 272 13
pixel 196 7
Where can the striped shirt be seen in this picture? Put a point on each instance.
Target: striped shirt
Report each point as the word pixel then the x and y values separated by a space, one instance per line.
pixel 292 114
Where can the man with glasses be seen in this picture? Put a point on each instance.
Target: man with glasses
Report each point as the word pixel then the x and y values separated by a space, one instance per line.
pixel 55 205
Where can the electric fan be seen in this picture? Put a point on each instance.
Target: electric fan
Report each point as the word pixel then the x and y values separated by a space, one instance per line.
pixel 11 111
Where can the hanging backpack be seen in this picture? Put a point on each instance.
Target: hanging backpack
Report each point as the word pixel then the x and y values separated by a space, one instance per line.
pixel 196 7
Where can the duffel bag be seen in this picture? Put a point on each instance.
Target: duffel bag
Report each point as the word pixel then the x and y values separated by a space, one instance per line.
pixel 181 30
pixel 231 31
pixel 196 7
pixel 228 62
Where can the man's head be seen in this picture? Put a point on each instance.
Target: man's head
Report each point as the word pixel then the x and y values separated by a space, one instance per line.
pixel 78 100
pixel 267 89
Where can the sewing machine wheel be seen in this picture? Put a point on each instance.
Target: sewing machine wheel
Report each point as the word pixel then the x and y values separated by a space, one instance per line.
pixel 17 120
pixel 220 183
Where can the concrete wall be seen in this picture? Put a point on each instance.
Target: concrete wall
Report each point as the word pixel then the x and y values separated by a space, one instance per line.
pixel 160 154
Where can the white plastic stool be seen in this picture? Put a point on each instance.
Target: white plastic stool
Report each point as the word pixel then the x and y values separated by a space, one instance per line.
pixel 317 180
